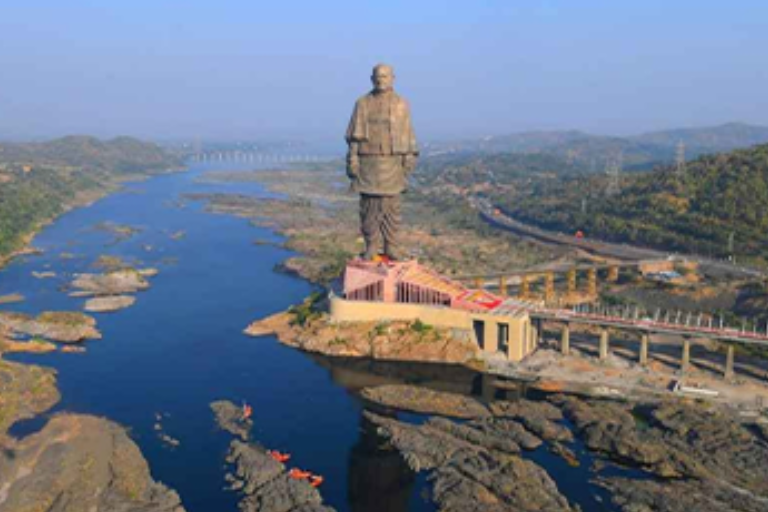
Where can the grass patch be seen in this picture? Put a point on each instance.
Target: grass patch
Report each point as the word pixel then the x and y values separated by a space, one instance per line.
pixel 307 311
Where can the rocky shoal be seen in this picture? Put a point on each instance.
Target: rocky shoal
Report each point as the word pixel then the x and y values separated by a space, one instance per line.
pixel 75 463
pixel 114 282
pixel 264 483
pixel 62 326
pixel 395 341
pixel 690 456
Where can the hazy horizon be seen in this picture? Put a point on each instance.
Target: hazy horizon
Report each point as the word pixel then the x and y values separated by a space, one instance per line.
pixel 173 70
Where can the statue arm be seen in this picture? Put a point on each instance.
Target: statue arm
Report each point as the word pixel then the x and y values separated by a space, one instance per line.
pixel 356 132
pixel 353 161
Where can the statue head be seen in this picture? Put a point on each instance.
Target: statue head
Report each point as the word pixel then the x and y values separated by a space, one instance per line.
pixel 383 78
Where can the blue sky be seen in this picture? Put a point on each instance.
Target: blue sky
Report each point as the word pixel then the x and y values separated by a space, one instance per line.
pixel 251 69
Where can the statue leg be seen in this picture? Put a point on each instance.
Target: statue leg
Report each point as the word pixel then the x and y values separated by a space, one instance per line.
pixel 390 226
pixel 370 220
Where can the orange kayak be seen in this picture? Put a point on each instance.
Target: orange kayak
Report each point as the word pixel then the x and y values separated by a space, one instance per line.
pixel 298 474
pixel 279 457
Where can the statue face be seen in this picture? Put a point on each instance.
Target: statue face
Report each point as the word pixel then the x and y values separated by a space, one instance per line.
pixel 383 79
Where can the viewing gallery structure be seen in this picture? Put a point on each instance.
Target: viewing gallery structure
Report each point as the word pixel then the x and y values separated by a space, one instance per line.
pixel 407 291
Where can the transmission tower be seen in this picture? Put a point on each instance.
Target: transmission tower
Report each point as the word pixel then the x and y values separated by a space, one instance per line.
pixel 680 161
pixel 613 169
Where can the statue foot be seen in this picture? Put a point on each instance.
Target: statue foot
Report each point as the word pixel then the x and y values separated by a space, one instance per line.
pixel 396 256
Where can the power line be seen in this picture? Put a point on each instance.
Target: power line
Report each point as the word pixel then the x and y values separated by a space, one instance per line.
pixel 613 169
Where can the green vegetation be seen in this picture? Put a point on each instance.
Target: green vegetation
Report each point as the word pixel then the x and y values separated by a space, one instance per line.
pixel 40 181
pixel 338 341
pixel 307 311
pixel 420 327
pixel 721 198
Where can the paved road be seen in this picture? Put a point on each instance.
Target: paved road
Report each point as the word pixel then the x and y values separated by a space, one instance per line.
pixel 623 252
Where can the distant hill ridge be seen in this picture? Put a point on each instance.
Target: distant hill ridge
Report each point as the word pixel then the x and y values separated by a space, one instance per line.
pixel 718 207
pixel 592 152
pixel 121 154
pixel 41 180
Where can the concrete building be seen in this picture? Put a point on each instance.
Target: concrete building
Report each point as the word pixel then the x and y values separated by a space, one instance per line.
pixel 408 291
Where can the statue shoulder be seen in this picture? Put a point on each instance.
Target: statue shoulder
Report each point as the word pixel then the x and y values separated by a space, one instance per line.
pixel 365 98
pixel 400 101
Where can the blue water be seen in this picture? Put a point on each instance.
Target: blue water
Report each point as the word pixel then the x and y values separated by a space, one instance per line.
pixel 181 347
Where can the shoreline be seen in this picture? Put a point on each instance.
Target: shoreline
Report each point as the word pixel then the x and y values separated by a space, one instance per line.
pixel 110 188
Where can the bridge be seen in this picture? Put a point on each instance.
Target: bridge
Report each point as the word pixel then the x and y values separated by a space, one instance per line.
pixel 685 325
pixel 570 273
pixel 256 157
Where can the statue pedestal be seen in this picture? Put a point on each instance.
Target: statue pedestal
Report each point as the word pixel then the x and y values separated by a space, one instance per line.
pixel 409 282
pixel 385 291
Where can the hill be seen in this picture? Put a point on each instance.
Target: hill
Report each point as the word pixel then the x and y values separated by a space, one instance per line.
pixel 718 208
pixel 39 181
pixel 716 139
pixel 120 155
pixel 591 153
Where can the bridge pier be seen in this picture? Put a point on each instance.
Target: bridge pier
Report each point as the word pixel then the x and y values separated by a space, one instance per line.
pixel 565 340
pixel 685 364
pixel 613 273
pixel 525 287
pixel 549 288
pixel 571 281
pixel 592 282
pixel 603 344
pixel 503 286
pixel 728 374
pixel 643 359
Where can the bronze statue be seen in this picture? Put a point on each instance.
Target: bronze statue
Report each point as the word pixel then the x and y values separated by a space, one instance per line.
pixel 382 153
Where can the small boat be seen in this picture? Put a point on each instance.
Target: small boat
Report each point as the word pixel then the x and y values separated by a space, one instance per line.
pixel 279 457
pixel 298 474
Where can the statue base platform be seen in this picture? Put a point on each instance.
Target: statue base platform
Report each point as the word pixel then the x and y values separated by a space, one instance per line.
pixel 409 282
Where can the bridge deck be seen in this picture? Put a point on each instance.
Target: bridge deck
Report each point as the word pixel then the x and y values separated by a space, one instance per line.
pixel 724 334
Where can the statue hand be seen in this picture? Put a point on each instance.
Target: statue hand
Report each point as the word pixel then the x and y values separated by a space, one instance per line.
pixel 409 163
pixel 353 169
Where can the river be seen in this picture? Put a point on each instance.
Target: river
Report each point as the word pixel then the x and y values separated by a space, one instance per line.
pixel 181 347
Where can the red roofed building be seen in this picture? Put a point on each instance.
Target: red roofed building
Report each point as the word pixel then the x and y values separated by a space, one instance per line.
pixel 389 291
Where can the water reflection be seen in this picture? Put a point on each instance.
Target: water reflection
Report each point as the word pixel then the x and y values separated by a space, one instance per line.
pixel 379 479
pixel 354 374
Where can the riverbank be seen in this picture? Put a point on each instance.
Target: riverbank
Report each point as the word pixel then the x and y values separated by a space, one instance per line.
pixel 75 462
pixel 310 330
pixel 82 200
pixel 312 208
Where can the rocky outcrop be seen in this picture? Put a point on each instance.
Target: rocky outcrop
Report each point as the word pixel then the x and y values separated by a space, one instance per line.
pixel 473 466
pixel 541 418
pixel 109 304
pixel 75 463
pixel 265 483
pixel 116 282
pixel 610 428
pixel 680 496
pixel 11 298
pixel 229 417
pixel 704 455
pixel 25 391
pixel 65 327
pixel 395 341
pixel 425 401
pixel 80 463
